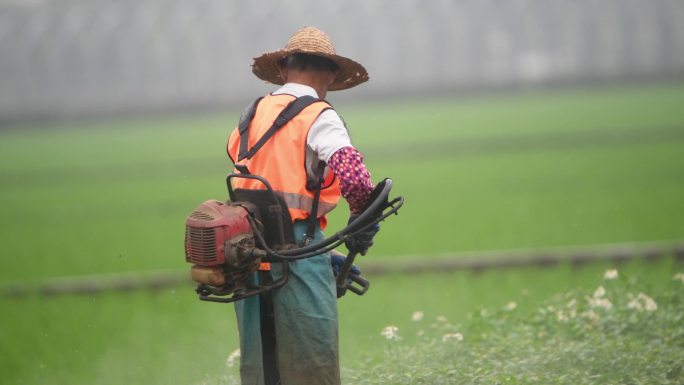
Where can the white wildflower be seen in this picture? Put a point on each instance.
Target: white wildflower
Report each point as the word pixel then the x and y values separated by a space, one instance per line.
pixel 600 302
pixel 561 316
pixel 590 315
pixel 441 318
pixel 634 304
pixel 597 299
pixel 391 333
pixel 452 336
pixel 420 333
pixel 510 306
pixel 599 292
pixel 610 274
pixel 572 303
pixel 642 302
pixel 417 316
pixel 678 277
pixel 650 304
pixel 232 357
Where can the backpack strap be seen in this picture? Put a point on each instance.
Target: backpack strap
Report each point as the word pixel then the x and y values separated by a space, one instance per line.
pixel 313 214
pixel 243 127
pixel 290 111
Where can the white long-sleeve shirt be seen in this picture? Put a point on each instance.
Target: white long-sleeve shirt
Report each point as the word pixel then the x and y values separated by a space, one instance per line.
pixel 327 134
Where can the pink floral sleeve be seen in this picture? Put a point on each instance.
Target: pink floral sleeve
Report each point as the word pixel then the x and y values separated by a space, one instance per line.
pixel 355 180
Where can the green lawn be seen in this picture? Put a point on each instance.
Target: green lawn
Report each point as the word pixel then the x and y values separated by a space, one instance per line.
pixel 565 168
pixel 479 173
pixel 169 337
pixel 624 330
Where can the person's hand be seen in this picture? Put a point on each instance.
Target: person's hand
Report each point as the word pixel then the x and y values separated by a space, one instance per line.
pixel 337 260
pixel 362 241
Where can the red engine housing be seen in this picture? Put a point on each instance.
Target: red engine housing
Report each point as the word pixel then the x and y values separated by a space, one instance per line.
pixel 209 227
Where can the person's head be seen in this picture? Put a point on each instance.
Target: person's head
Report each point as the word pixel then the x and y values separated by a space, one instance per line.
pixel 316 71
pixel 307 62
pixel 309 53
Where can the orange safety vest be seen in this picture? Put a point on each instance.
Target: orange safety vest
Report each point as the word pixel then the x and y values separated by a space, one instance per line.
pixel 281 160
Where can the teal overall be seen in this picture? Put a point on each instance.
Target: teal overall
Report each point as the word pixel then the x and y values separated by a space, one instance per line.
pixel 305 320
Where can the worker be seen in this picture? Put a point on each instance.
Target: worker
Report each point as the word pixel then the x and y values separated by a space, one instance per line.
pixel 313 146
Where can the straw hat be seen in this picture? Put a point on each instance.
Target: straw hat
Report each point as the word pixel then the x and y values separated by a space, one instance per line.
pixel 312 41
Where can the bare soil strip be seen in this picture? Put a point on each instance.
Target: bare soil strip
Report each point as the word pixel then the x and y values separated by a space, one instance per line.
pixel 464 261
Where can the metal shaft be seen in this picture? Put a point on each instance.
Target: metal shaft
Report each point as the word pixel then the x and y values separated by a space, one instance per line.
pixel 344 270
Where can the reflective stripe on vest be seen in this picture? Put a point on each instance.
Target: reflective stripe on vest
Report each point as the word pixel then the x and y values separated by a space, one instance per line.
pixel 282 159
pixel 303 202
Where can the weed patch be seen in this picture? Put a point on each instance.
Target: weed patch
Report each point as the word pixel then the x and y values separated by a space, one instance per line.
pixel 618 333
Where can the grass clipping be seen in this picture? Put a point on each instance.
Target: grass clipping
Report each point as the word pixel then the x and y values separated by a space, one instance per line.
pixel 615 334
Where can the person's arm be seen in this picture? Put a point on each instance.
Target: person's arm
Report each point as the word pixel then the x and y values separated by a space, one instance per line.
pixel 355 180
pixel 329 138
pixel 356 187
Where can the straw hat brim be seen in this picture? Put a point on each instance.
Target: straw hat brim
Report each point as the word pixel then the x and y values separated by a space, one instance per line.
pixel 266 67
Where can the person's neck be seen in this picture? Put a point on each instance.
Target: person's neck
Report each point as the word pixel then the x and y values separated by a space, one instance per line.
pixel 312 79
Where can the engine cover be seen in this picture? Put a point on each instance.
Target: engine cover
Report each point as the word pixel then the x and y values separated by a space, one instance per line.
pixel 209 228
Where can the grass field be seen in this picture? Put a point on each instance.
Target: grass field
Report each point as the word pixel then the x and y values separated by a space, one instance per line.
pixel 626 329
pixel 489 172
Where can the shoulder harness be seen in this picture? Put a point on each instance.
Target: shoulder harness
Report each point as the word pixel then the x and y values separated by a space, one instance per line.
pixel 288 113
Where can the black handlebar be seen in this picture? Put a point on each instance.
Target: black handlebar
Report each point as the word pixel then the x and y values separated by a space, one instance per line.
pixel 372 214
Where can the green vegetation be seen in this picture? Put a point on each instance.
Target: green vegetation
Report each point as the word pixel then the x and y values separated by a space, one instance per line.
pixel 169 337
pixel 546 169
pixel 489 173
pixel 619 332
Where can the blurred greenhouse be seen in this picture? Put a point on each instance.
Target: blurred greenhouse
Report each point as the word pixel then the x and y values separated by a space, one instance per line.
pixel 70 58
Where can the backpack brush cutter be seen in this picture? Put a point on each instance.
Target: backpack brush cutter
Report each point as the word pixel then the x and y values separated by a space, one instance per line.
pixel 228 241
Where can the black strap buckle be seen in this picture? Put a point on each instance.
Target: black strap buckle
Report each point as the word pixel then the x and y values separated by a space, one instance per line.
pixel 242 168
